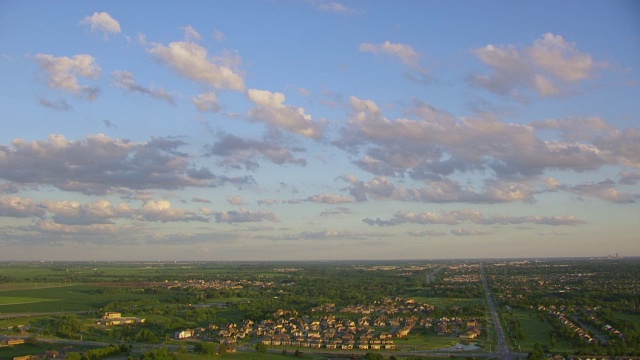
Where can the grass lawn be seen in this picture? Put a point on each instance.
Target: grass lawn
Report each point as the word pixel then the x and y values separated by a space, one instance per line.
pixel 28 349
pixel 243 356
pixel 27 286
pixel 450 301
pixel 633 317
pixel 70 298
pixel 425 342
pixel 537 331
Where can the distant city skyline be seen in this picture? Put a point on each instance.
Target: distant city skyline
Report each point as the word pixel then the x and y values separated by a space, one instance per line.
pixel 319 130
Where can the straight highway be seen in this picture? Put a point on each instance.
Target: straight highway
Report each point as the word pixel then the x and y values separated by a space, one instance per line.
pixel 503 351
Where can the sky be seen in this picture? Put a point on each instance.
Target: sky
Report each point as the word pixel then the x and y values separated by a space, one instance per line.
pixel 318 130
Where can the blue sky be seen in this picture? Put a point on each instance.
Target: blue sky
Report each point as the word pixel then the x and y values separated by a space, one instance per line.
pixel 318 130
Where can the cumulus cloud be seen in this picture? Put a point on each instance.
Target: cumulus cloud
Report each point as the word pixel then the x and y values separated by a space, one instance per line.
pixel 126 80
pixel 340 210
pixel 72 214
pixel 269 202
pixel 235 200
pixel 403 52
pixel 243 215
pixel 207 102
pixel 63 72
pixel 470 232
pixel 75 231
pixel 472 216
pixel 15 206
pixel 193 62
pixel 332 6
pixel 161 210
pixel 190 34
pixel 98 212
pixel 440 191
pixel 238 152
pixel 329 234
pixel 219 35
pixel 270 108
pixel 431 144
pixel 100 164
pixel 61 104
pixel 605 143
pixel 605 190
pixel 546 67
pixel 423 233
pixel 629 177
pixel 102 22
pixel 330 199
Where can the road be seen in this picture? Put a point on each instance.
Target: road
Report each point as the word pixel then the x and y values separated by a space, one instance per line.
pixel 503 351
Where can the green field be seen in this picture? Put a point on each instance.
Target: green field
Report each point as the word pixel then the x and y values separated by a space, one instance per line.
pixel 68 298
pixel 11 300
pixel 536 331
pixel 426 342
pixel 441 301
pixel 632 317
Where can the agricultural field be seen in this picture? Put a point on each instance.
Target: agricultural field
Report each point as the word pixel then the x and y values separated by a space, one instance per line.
pixel 66 301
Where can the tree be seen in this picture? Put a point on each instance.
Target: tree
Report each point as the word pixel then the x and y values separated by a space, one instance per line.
pixel 373 356
pixel 73 356
pixel 537 353
pixel 205 348
pixel 159 354
pixel 69 326
pixel 261 348
pixel 222 349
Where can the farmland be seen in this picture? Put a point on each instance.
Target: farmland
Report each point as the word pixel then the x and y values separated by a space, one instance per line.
pixel 237 306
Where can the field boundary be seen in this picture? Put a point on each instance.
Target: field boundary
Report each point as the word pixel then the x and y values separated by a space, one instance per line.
pixel 33 286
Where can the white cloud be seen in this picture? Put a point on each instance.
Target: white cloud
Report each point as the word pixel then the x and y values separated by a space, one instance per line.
pixel 207 102
pixel 97 212
pixel 60 104
pixel 547 67
pixel 102 22
pixel 403 52
pixel 470 232
pixel 435 144
pixel 161 210
pixel 126 80
pixel 192 61
pixel 561 58
pixel 219 35
pixel 472 216
pixel 244 215
pixel 63 72
pixel 270 108
pixel 100 164
pixel 422 233
pixel 440 191
pixel 235 200
pixel 15 206
pixel 605 190
pixel 330 199
pixel 332 6
pixel 238 152
pixel 190 34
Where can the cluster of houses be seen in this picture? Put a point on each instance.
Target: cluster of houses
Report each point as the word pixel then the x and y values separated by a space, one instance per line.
pixel 8 341
pixel 215 284
pixel 115 318
pixel 579 331
pixel 376 328
pixel 45 355
pixel 611 331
